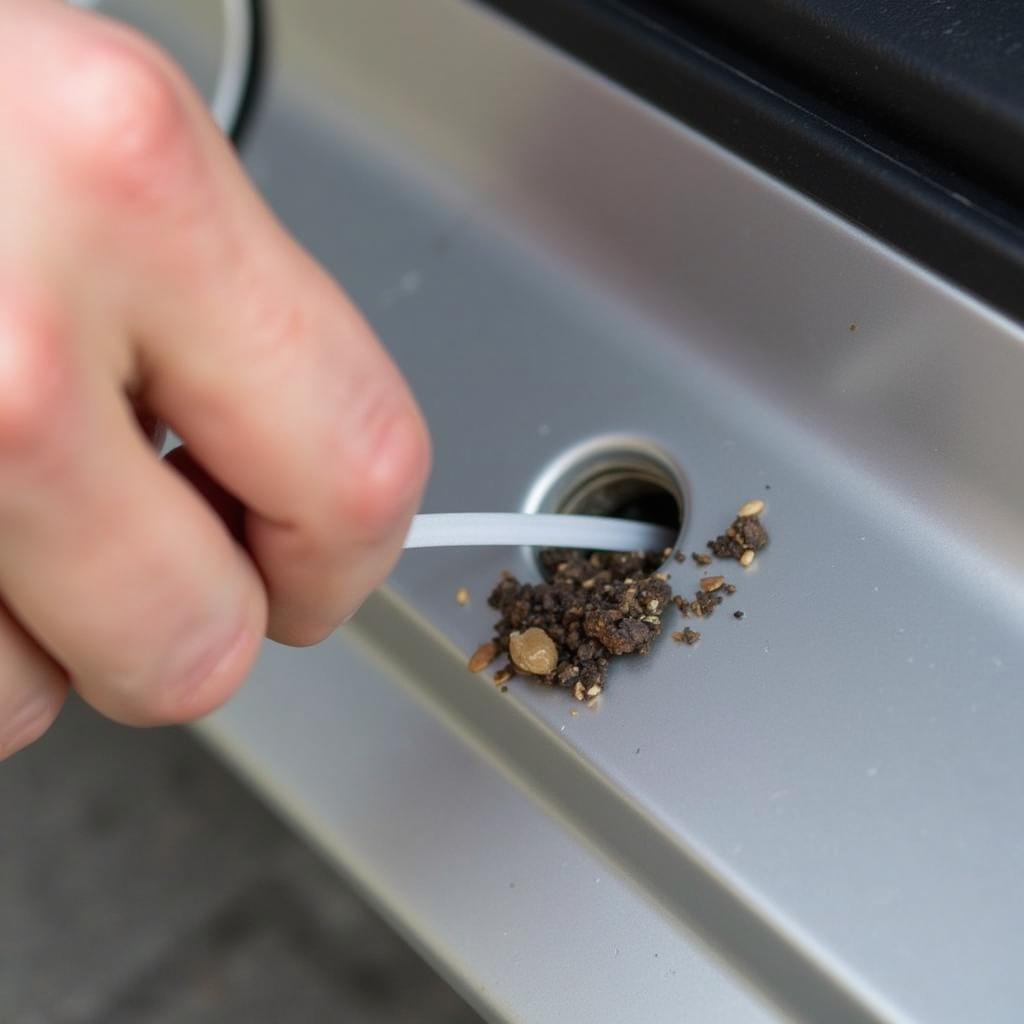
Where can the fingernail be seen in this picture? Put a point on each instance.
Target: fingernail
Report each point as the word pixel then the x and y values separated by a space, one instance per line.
pixel 201 673
pixel 26 724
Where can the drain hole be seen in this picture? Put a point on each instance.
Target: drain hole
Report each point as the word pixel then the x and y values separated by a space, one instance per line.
pixel 625 494
pixel 616 477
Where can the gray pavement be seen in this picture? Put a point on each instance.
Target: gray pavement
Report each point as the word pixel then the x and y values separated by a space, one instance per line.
pixel 141 882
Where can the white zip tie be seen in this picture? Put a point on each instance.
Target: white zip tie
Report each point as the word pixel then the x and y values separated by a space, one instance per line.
pixel 486 529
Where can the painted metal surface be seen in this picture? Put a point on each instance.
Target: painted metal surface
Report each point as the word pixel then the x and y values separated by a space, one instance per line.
pixel 816 811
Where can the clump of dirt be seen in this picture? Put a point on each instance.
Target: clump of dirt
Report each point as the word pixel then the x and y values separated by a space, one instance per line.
pixel 594 607
pixel 744 538
pixel 702 605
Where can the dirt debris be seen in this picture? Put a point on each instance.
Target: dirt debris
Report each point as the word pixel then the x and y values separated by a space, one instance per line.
pixel 483 656
pixel 594 607
pixel 702 605
pixel 744 537
pixel 503 675
pixel 686 636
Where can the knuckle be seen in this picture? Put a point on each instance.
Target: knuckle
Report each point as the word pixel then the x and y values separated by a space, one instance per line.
pixel 33 376
pixel 129 123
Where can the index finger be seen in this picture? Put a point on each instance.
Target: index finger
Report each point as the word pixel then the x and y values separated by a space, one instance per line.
pixel 280 390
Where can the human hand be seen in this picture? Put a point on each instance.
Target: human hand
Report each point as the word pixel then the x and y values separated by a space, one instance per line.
pixel 142 276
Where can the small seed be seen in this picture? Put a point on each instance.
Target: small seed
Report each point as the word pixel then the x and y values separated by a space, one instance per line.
pixel 483 656
pixel 577 691
pixel 533 651
pixel 701 559
pixel 747 557
pixel 594 690
pixel 680 556
pixel 711 583
pixel 751 508
pixel 737 615
pixel 462 596
pixel 687 636
pixel 502 676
